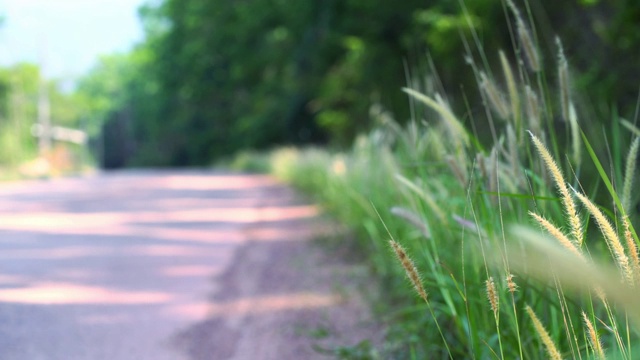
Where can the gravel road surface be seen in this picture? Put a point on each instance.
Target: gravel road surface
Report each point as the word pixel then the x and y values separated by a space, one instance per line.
pixel 169 265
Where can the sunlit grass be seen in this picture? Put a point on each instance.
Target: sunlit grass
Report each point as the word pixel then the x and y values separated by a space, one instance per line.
pixel 560 285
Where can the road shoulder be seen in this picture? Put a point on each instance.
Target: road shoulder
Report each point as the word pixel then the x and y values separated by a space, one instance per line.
pixel 285 297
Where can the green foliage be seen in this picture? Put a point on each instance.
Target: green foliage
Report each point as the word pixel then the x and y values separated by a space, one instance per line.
pixel 19 89
pixel 103 90
pixel 216 77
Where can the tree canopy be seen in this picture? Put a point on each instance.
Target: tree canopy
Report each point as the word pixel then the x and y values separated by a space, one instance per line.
pixel 213 77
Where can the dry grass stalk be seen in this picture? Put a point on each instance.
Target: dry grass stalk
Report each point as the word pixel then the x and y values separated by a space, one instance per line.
pixel 563 81
pixel 424 195
pixel 629 174
pixel 514 159
pixel 409 268
pixel 575 135
pixel 630 126
pixel 633 248
pixel 470 225
pixel 567 201
pixel 480 162
pixel 510 181
pixel 457 170
pixel 532 107
pixel 493 170
pixel 554 354
pixel 413 219
pixel 611 237
pixel 511 285
pixel 492 295
pixel 496 99
pixel 514 97
pixel 434 140
pixel 557 234
pixel 594 339
pixel 455 128
pixel 526 40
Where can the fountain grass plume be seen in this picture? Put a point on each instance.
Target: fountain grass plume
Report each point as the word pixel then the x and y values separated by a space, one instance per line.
pixel 632 247
pixel 514 96
pixel 563 81
pixel 552 350
pixel 629 174
pixel 413 219
pixel 567 200
pixel 594 338
pixel 456 129
pixel 530 50
pixel 410 269
pixel 576 149
pixel 610 235
pixel 495 96
pixel 557 234
pixel 492 295
pixel 532 108
pixel 424 195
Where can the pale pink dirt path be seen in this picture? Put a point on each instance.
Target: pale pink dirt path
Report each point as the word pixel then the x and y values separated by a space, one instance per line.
pixel 169 265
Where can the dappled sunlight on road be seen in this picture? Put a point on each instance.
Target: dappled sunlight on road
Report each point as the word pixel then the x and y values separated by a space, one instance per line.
pixel 229 182
pixel 266 303
pixel 68 293
pixel 257 305
pixel 47 221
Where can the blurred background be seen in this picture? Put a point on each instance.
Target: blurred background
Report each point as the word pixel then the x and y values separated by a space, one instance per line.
pixel 134 83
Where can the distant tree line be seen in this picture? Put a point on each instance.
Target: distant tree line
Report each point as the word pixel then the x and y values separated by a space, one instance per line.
pixel 213 77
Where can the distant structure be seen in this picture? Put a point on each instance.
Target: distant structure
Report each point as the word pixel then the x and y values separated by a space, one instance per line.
pixel 43 129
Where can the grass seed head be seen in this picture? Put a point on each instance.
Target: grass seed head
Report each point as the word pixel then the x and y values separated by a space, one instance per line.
pixel 454 126
pixel 493 171
pixel 457 170
pixel 611 237
pixel 575 135
pixel 495 96
pixel 594 339
pixel 413 219
pixel 563 82
pixel 567 200
pixel 532 107
pixel 629 174
pixel 511 285
pixel 514 97
pixel 409 268
pixel 514 158
pixel 633 249
pixel 557 234
pixel 552 350
pixel 492 295
pixel 529 49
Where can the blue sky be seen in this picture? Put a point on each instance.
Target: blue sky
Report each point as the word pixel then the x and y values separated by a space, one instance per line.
pixel 70 34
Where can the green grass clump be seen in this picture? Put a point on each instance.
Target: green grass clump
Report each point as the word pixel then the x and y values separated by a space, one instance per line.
pixel 561 284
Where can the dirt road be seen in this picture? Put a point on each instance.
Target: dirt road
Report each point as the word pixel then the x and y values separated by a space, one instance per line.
pixel 169 265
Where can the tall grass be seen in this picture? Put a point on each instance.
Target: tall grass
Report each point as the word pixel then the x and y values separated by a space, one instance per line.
pixel 431 202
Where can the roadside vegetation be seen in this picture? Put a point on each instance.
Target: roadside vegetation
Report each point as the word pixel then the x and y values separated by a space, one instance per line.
pixel 501 232
pixel 489 181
